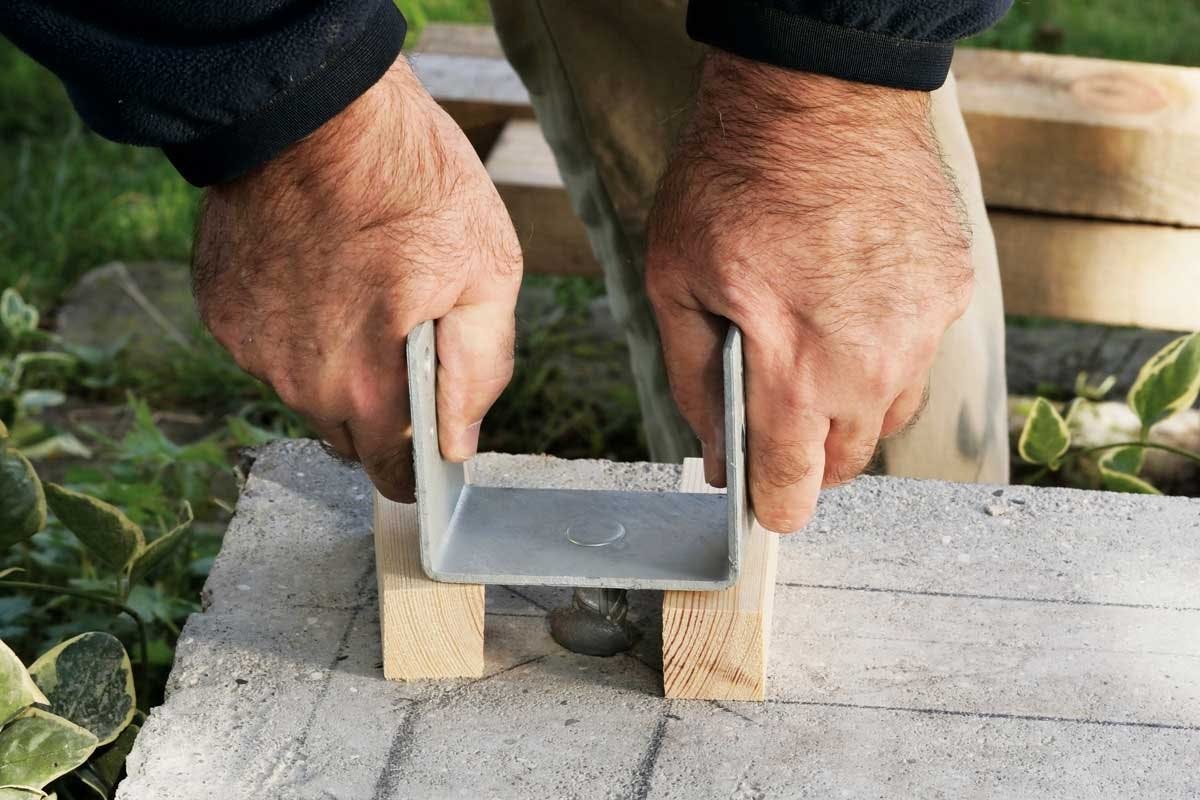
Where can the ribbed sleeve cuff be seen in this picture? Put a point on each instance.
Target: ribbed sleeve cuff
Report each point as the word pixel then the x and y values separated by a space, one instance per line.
pixel 291 115
pixel 762 32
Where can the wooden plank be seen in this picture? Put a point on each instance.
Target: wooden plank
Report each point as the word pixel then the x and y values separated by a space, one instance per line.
pixel 553 240
pixel 1113 273
pixel 1088 270
pixel 1058 134
pixel 1084 136
pixel 460 39
pixel 430 629
pixel 716 644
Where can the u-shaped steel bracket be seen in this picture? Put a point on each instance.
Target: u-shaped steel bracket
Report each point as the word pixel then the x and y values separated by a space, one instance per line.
pixel 574 537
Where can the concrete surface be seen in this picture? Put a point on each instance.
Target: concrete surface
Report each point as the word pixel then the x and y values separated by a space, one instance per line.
pixel 930 640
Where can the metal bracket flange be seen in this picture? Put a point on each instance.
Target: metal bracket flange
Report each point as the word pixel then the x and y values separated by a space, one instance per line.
pixel 574 537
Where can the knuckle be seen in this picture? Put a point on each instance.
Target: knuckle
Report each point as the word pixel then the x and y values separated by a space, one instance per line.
pixel 778 464
pixel 662 287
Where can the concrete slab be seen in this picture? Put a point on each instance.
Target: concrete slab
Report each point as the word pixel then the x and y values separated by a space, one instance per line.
pixel 930 640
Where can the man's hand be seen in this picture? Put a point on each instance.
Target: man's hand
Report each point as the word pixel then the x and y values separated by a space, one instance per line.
pixel 818 216
pixel 312 270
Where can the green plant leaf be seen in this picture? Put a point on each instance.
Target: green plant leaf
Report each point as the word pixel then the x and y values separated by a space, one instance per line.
pixel 22 498
pixel 1093 392
pixel 89 681
pixel 1119 470
pixel 88 777
pixel 17 689
pixel 1115 481
pixel 161 548
pixel 15 314
pixel 1045 438
pixel 109 764
pixel 3 430
pixel 108 533
pixel 1168 383
pixel 35 400
pixel 21 793
pixel 1127 460
pixel 60 445
pixel 38 747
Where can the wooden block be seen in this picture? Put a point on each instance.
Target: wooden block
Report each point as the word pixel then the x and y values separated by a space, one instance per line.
pixel 1058 134
pixel 715 644
pixel 553 240
pixel 1084 136
pixel 460 39
pixel 430 629
pixel 1114 273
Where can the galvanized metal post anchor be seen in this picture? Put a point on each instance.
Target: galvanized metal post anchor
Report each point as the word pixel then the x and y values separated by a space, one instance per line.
pixel 573 537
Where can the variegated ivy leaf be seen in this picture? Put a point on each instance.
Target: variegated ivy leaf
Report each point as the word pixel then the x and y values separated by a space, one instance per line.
pixel 1045 438
pixel 1168 383
pixel 88 777
pixel 22 793
pixel 161 548
pixel 22 499
pixel 88 680
pixel 35 400
pixel 108 765
pixel 1093 392
pixel 110 535
pixel 17 690
pixel 15 314
pixel 37 747
pixel 1119 470
pixel 61 445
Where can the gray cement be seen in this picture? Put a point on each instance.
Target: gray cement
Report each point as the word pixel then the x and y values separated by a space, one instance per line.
pixel 930 640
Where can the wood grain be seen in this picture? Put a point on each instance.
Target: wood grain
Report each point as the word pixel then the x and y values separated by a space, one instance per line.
pixel 553 240
pixel 716 644
pixel 1057 134
pixel 1084 136
pixel 430 629
pixel 1113 273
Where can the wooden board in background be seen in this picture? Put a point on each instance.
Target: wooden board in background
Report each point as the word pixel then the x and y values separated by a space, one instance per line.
pixel 1113 273
pixel 1084 136
pixel 1056 134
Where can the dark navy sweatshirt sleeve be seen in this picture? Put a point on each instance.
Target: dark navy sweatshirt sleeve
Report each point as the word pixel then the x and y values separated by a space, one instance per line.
pixel 221 87
pixel 905 44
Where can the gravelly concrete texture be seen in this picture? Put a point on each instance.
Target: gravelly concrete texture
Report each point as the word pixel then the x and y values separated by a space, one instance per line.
pixel 930 640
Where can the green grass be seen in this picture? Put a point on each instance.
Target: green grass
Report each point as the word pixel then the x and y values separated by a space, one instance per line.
pixel 1164 31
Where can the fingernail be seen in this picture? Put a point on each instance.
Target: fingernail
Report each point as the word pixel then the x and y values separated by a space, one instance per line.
pixel 714 473
pixel 470 440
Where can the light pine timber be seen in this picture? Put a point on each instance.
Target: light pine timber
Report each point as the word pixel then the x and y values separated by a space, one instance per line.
pixel 1057 134
pixel 553 240
pixel 716 644
pixel 1113 273
pixel 430 629
pixel 1084 136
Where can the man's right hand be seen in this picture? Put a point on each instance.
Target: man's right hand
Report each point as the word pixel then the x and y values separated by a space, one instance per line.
pixel 313 269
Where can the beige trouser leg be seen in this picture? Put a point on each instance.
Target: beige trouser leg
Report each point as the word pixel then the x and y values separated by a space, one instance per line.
pixel 610 83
